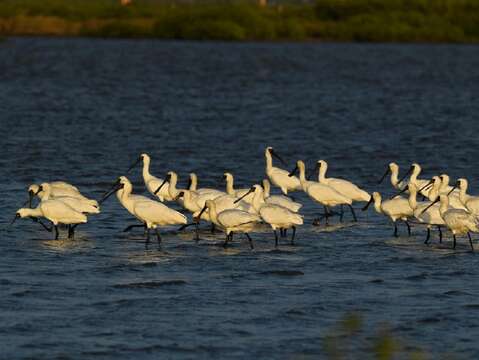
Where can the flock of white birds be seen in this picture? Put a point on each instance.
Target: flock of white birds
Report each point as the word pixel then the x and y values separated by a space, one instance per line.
pixel 242 210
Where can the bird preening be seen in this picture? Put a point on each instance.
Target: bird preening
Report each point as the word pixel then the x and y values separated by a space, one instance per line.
pixel 243 211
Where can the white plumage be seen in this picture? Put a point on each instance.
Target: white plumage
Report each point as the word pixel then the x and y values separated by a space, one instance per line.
pixel 397 208
pixel 152 183
pixel 280 177
pixel 281 200
pixel 61 189
pixel 321 193
pixel 232 220
pixel 459 221
pixel 230 190
pixel 342 186
pixel 150 212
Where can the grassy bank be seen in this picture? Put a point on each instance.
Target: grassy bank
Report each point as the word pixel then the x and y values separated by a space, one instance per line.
pixel 340 20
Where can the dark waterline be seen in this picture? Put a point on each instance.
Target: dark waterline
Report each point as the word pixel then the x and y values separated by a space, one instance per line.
pixel 82 110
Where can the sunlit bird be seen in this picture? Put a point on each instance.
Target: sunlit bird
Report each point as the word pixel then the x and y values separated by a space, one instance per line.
pixel 152 183
pixel 277 216
pixel 280 177
pixel 458 221
pixel 57 211
pixel 321 193
pixel 281 200
pixel 151 213
pixel 395 209
pixel 232 221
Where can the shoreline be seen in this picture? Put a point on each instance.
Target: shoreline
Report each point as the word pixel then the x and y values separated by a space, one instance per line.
pixel 354 21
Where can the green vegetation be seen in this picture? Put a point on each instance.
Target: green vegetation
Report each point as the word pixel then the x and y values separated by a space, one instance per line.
pixel 339 20
pixel 349 336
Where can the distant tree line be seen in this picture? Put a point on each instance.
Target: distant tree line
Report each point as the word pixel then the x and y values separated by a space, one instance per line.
pixel 329 20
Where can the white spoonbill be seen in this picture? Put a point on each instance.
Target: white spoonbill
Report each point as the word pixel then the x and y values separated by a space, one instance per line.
pixel 423 212
pixel 151 182
pixel 232 220
pixel 469 201
pixel 321 193
pixel 56 211
pixel 393 169
pixel 415 171
pixel 459 221
pixel 60 188
pixel 277 216
pixel 281 200
pixel 230 190
pixel 452 192
pixel 280 177
pixel 150 212
pixel 396 209
pixel 342 186
pixel 80 205
pixel 193 184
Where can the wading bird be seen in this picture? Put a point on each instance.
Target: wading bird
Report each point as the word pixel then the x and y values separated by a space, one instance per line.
pixel 396 209
pixel 459 221
pixel 280 177
pixel 151 213
pixel 321 193
pixel 54 210
pixel 277 216
pixel 231 221
pixel 151 182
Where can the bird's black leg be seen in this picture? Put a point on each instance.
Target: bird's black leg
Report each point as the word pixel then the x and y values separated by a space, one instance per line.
pixel 341 213
pixel 275 238
pixel 440 234
pixel 49 229
pixel 56 231
pixel 352 212
pixel 395 230
pixel 408 228
pixel 158 236
pixel 128 228
pixel 428 236
pixel 454 237
pixel 326 214
pixel 147 235
pixel 213 228
pixel 294 234
pixel 71 232
pixel 470 240
pixel 197 232
pixel 250 241
pixel 229 237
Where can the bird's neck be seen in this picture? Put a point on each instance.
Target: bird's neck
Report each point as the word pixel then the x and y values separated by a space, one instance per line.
pixel 302 175
pixel 193 182
pixel 394 177
pixel 267 189
pixel 412 199
pixel 258 199
pixel 377 205
pixel 172 186
pixel 462 194
pixel 269 161
pixel 414 175
pixel 444 206
pixel 146 169
pixel 230 186
pixel 322 173
pixel 126 192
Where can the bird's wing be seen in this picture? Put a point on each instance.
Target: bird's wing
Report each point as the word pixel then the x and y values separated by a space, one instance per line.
pixel 231 218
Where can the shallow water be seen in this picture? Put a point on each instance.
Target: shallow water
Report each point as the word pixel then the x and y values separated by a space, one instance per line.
pixel 82 110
